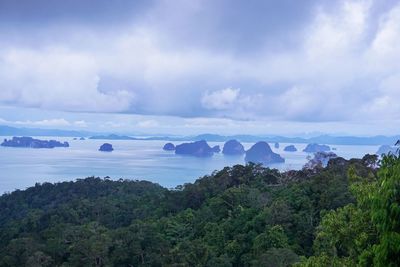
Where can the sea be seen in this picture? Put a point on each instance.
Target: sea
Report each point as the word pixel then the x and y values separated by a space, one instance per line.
pixel 131 159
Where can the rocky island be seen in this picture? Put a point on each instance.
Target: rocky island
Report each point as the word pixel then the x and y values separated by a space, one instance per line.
pixel 320 159
pixel 169 147
pixel 276 145
pixel 290 148
pixel 197 149
pixel 386 149
pixel 33 143
pixel 106 147
pixel 261 152
pixel 233 147
pixel 216 149
pixel 313 148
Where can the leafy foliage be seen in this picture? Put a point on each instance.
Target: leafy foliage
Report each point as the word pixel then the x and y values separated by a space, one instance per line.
pixel 240 216
pixel 365 233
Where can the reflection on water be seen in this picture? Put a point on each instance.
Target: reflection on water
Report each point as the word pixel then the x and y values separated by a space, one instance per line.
pixel 131 159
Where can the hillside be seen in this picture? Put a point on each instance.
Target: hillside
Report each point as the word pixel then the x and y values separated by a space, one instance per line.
pixel 239 216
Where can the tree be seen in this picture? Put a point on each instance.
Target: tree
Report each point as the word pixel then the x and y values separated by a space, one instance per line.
pixel 366 233
pixel 273 238
pixel 386 213
pixel 239 216
pixel 277 257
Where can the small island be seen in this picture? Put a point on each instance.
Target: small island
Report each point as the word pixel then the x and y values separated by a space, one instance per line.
pixel 233 147
pixel 169 147
pixel 106 147
pixel 276 145
pixel 197 149
pixel 385 150
pixel 262 153
pixel 320 159
pixel 313 148
pixel 290 148
pixel 216 149
pixel 33 143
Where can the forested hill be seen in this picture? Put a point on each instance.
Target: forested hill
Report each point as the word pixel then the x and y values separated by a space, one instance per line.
pixel 239 216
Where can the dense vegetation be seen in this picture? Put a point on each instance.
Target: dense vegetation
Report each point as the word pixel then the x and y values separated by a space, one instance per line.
pixel 345 214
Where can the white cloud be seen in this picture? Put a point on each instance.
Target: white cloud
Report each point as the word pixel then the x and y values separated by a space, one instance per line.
pixel 221 99
pixel 81 124
pixel 56 78
pixel 209 123
pixel 341 64
pixel 384 52
pixel 333 35
pixel 60 122
pixel 299 102
pixel 386 104
pixel 46 122
pixel 148 124
pixel 112 124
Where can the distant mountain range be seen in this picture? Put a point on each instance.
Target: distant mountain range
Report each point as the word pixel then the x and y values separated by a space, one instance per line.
pixel 11 131
pixel 322 139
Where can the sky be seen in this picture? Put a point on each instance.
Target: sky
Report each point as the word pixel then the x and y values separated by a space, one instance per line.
pixel 185 67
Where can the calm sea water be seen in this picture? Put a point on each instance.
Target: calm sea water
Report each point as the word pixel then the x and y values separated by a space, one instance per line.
pixel 143 160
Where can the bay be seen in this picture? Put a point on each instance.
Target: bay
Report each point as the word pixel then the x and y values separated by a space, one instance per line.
pixel 131 159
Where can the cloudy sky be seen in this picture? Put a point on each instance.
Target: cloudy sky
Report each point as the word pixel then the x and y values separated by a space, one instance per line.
pixel 222 66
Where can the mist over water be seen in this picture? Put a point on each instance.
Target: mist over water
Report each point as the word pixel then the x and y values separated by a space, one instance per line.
pixel 131 159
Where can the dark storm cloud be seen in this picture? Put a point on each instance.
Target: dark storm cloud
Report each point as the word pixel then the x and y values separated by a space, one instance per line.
pixel 238 25
pixel 222 24
pixel 43 12
pixel 293 60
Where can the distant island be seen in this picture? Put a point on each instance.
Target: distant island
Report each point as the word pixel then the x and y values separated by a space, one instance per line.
pixel 233 147
pixel 313 148
pixel 320 159
pixel 106 147
pixel 216 149
pixel 197 149
pixel 14 131
pixel 33 143
pixel 169 147
pixel 261 152
pixel 386 149
pixel 321 139
pixel 290 148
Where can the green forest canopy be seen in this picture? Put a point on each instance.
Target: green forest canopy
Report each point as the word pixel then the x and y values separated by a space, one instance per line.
pixel 346 214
